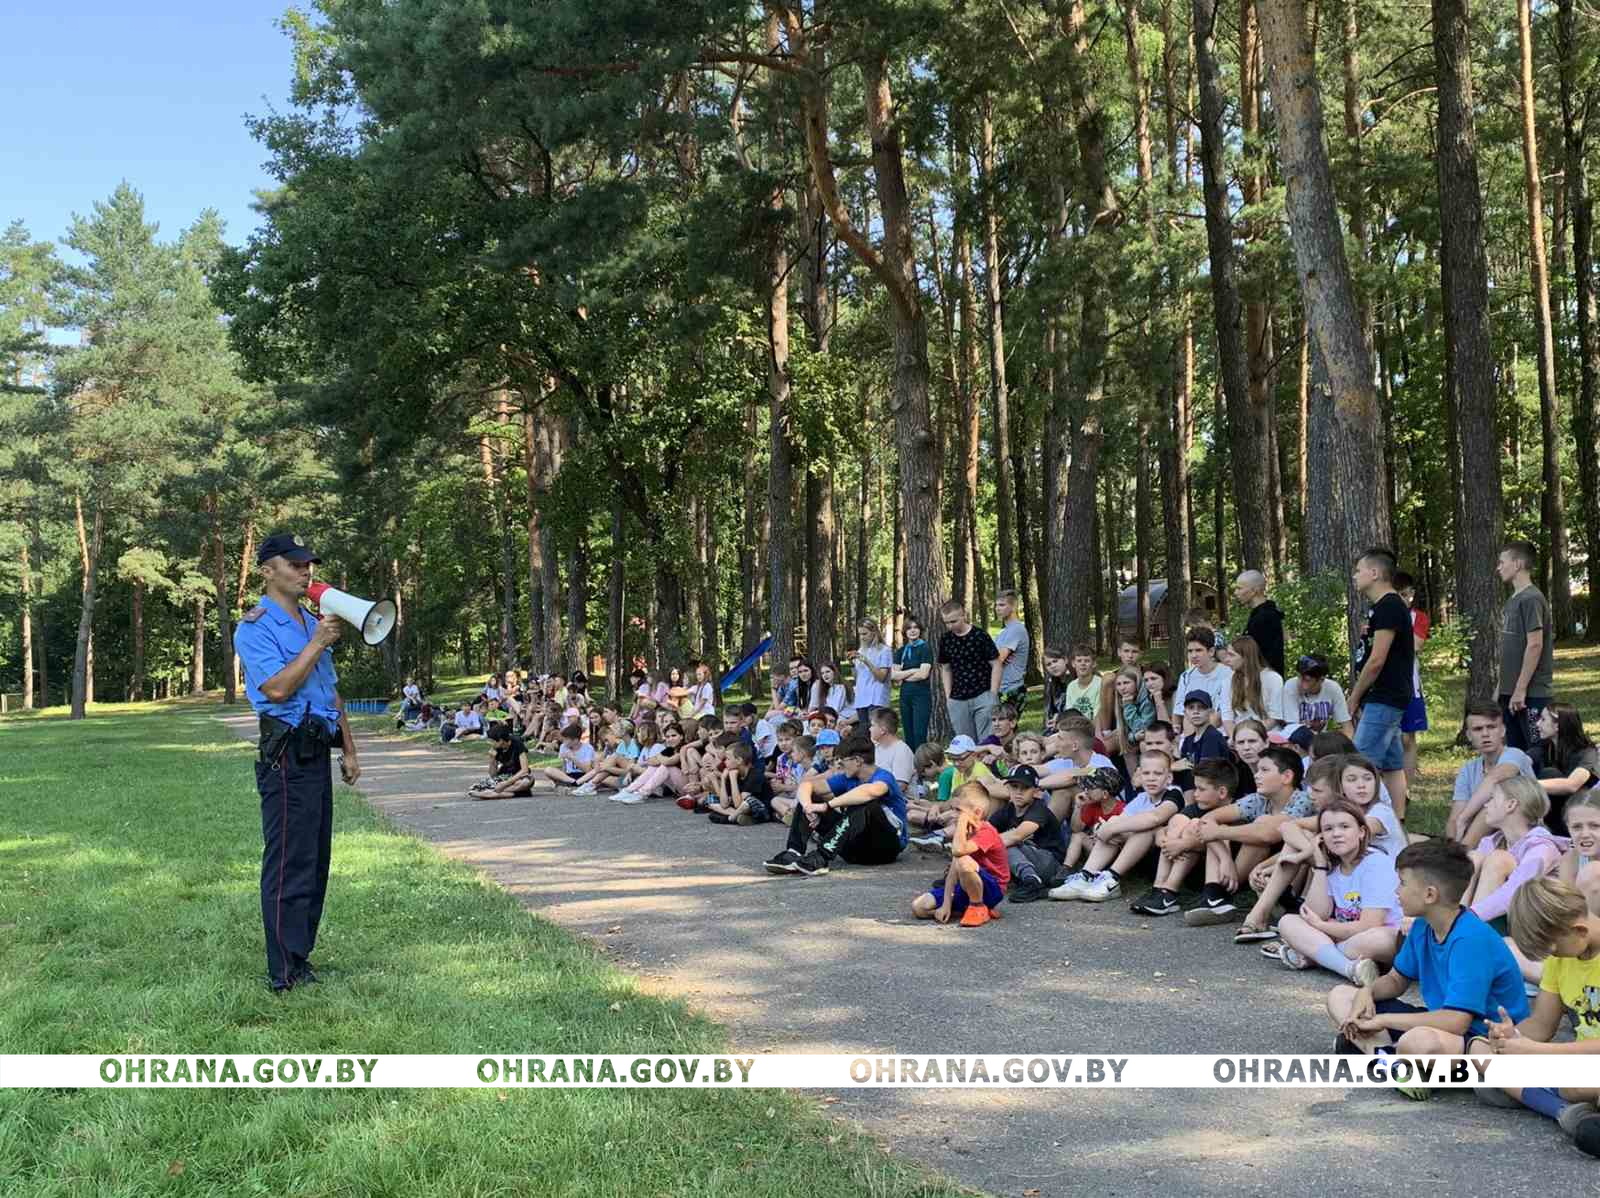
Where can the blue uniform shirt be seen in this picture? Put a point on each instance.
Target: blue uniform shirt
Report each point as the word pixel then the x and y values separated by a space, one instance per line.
pixel 1471 971
pixel 271 641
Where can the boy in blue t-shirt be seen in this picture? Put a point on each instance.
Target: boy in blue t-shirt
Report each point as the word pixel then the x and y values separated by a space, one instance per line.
pixel 856 814
pixel 1462 966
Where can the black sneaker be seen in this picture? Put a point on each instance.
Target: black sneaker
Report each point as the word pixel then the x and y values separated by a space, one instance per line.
pixel 306 976
pixel 1156 902
pixel 1027 890
pixel 811 865
pixel 1210 914
pixel 783 863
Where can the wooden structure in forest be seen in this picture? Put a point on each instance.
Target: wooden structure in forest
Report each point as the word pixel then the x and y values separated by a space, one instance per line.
pixel 1128 612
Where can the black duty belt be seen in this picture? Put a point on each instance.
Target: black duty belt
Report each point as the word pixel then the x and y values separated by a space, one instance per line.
pixel 306 742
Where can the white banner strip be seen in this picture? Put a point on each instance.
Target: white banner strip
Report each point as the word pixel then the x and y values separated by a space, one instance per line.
pixel 791 1071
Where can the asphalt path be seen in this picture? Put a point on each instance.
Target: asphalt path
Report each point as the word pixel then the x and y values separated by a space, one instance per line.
pixel 837 964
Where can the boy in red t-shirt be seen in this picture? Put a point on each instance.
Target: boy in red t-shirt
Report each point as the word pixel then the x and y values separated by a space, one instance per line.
pixel 1099 798
pixel 1415 719
pixel 976 882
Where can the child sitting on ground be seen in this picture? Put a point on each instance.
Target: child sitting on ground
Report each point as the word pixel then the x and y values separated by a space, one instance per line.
pixel 621 759
pixel 1099 798
pixel 1181 847
pixel 926 813
pixel 743 794
pixel 1163 738
pixel 1551 921
pixel 1032 836
pixel 576 758
pixel 996 747
pixel 1254 823
pixel 1202 740
pixel 1353 889
pixel 802 752
pixel 1462 967
pixel 664 769
pixel 1122 841
pixel 1287 872
pixel 975 884
pixel 1580 866
pixel 512 774
pixel 1518 848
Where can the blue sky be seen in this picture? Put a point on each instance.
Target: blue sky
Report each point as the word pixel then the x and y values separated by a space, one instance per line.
pixel 98 92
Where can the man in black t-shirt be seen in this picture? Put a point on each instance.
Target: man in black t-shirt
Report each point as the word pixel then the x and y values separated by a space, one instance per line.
pixel 512 774
pixel 1382 691
pixel 969 668
pixel 1265 624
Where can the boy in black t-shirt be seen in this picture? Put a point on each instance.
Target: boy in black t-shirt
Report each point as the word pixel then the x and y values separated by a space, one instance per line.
pixel 1032 836
pixel 744 792
pixel 513 775
pixel 1382 691
pixel 969 669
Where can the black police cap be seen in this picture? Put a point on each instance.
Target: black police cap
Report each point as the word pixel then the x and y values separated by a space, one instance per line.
pixel 285 544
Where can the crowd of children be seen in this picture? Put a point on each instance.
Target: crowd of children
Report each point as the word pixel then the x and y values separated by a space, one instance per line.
pixel 1230 779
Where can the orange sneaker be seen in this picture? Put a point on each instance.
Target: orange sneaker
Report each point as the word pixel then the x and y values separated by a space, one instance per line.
pixel 975 916
pixel 994 912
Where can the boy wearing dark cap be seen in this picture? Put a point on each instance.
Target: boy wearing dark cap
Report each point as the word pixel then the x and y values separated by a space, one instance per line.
pixel 1313 700
pixel 1099 798
pixel 1202 739
pixel 1031 833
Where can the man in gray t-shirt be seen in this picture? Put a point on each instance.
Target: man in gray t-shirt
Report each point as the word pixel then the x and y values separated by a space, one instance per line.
pixel 1475 781
pixel 1012 641
pixel 1527 647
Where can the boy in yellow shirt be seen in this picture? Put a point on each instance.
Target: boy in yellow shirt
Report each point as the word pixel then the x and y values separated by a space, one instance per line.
pixel 1550 919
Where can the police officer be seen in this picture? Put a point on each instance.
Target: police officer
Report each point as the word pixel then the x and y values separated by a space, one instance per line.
pixel 289 679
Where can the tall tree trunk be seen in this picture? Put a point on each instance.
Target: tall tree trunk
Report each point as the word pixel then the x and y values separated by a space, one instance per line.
pixel 616 662
pixel 1173 422
pixel 538 647
pixel 1465 283
pixel 1005 467
pixel 549 442
pixel 1254 457
pixel 896 268
pixel 819 565
pixel 197 650
pixel 782 616
pixel 1552 511
pixel 225 601
pixel 26 569
pixel 1325 282
pixel 1250 483
pixel 971 410
pixel 136 683
pixel 1078 428
pixel 1576 106
pixel 864 458
pixel 83 678
pixel 752 622
pixel 577 647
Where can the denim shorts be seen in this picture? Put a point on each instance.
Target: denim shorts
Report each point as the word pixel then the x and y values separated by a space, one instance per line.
pixel 1378 736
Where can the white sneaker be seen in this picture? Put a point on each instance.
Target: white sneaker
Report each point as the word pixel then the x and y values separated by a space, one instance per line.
pixel 586 789
pixel 627 796
pixel 1102 888
pixel 1074 887
pixel 1365 973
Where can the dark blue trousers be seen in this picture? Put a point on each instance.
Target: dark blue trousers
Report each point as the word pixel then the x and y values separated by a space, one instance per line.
pixel 297 830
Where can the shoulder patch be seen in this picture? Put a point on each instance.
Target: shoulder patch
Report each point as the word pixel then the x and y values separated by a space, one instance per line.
pixel 254 614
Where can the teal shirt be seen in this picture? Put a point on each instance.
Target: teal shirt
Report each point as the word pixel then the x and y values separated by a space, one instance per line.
pixel 913 654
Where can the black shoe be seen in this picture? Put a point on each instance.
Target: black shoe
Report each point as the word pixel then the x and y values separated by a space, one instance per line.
pixel 279 987
pixel 783 863
pixel 1156 902
pixel 718 817
pixel 811 865
pixel 1027 890
pixel 1210 914
pixel 1343 1046
pixel 305 976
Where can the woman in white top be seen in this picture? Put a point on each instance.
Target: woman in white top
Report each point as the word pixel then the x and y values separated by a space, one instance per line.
pixel 873 662
pixel 828 691
pixel 1257 689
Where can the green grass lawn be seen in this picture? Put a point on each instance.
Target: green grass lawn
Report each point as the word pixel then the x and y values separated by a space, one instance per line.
pixel 130 923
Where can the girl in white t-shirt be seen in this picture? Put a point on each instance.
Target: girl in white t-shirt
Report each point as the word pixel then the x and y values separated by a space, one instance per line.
pixel 703 695
pixel 1257 689
pixel 873 661
pixel 1358 892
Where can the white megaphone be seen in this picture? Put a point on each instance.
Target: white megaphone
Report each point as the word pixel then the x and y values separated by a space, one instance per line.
pixel 375 618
